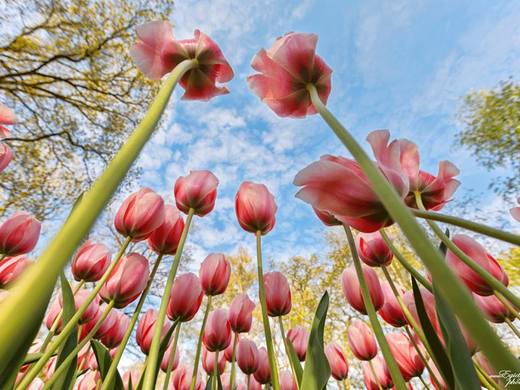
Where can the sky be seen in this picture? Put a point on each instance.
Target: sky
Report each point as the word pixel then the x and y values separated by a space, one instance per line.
pixel 401 65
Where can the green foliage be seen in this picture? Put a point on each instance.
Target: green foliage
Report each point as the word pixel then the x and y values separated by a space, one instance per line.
pixel 104 360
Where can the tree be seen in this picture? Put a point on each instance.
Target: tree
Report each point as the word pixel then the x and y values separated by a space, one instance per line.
pixel 67 75
pixel 492 132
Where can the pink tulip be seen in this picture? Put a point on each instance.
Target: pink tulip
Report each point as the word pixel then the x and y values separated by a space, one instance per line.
pixel 383 377
pixel 247 356
pixel 91 313
pixel 133 376
pixel 166 358
pixel 49 368
pixel 181 379
pixel 140 214
pixel 263 371
pixel 113 317
pixel 165 239
pixel 391 311
pixel 373 250
pixel 214 274
pixel 285 70
pixel 429 305
pixel 127 281
pixel 287 381
pixel 299 337
pixel 19 234
pixel 494 310
pixel 197 191
pixel 114 335
pixel 228 352
pixel 146 328
pixel 277 294
pixel 157 53
pixel 327 218
pixel 515 211
pixel 408 360
pixel 88 381
pixel 255 208
pixel 90 262
pixel 217 333
pixel 6 155
pixel 52 314
pixel 361 340
pixel 241 313
pixel 479 255
pixel 352 289
pixel 7 116
pixel 208 362
pixel 84 354
pixel 483 362
pixel 37 383
pixel 254 384
pixel 337 361
pixel 185 298
pixel 11 268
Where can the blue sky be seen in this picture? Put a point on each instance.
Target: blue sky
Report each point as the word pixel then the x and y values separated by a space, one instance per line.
pixel 401 65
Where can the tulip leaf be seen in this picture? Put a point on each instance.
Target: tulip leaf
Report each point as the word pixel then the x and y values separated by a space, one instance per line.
pixel 316 372
pixel 104 360
pixel 295 362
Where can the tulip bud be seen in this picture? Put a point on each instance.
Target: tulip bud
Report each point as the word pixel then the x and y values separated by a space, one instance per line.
pixel 287 381
pixel 228 352
pixel 373 250
pixel 408 360
pixel 19 234
pixel 133 376
pixel 110 321
pixel 429 305
pixel 337 361
pixel 299 337
pixel 165 239
pixel 181 379
pixel 214 274
pixel 90 262
pixel 217 333
pixel 146 329
pixel 361 340
pixel 114 335
pixel 255 208
pixel 383 378
pixel 166 358
pixel 327 218
pixel 277 294
pixel 208 362
pixel 185 298
pixel 247 356
pixel 391 311
pixel 126 281
pixel 352 289
pixel 89 381
pixel 263 371
pixel 11 268
pixel 36 384
pixel 241 313
pixel 6 155
pixel 494 310
pixel 254 384
pixel 196 191
pixel 80 297
pixel 140 214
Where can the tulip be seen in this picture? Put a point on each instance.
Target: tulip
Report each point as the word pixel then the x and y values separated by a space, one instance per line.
pixel 208 362
pixel 255 208
pixel 373 250
pixel 185 298
pixel 80 297
pixel 391 311
pixel 228 352
pixel 7 116
pixel 145 330
pixel 408 360
pixel 361 340
pixel 165 239
pixel 19 234
pixel 286 70
pixel 36 384
pixel 515 211
pixel 53 313
pixel 157 53
pixel 132 376
pixel 50 367
pixel 352 289
pixel 127 280
pixel 327 218
pixel 217 333
pixel 196 191
pixel 299 338
pixel 429 305
pixel 166 358
pixel 11 268
pixel 247 356
pixel 84 355
pixel 337 361
pixel 114 335
pixel 483 362
pixel 140 214
pixel 89 381
pixel 214 273
pixel 6 155
pixel 254 384
pixel 277 294
pixel 90 262
pixel 494 310
pixel 287 381
pixel 382 375
pixel 182 379
pixel 479 255
pixel 111 320
pixel 241 313
pixel 263 371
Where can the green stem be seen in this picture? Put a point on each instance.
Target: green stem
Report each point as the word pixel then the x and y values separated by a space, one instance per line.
pixel 423 358
pixel 265 319
pixel 481 271
pixel 172 356
pixel 199 344
pixel 111 374
pixel 513 327
pixel 423 382
pixel 153 355
pixel 376 379
pixel 65 363
pixel 483 377
pixel 469 225
pixel 233 368
pixel 69 327
pixel 248 381
pixel 452 290
pixel 25 306
pixel 214 382
pixel 286 346
pixel 507 304
pixel 372 315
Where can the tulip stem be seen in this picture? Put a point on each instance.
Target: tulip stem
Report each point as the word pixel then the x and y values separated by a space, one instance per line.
pixel 483 378
pixel 286 346
pixel 69 327
pixel 346 384
pixel 248 381
pixel 199 343
pixel 149 378
pixel 423 382
pixel 65 363
pixel 376 379
pixel 481 271
pixel 452 290
pixel 233 359
pixel 371 311
pixel 107 382
pixel 507 304
pixel 172 356
pixel 214 383
pixel 267 330
pixel 513 327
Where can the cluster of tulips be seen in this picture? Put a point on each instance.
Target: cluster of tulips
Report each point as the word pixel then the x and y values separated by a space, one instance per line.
pixel 444 320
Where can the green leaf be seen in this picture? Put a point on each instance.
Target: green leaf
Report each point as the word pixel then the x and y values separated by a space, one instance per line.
pixel 295 362
pixel 104 360
pixel 317 370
